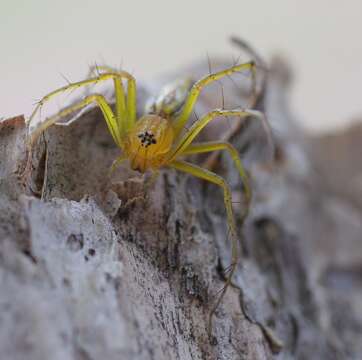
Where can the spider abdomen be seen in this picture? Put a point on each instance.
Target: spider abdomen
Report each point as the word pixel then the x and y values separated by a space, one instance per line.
pixel 148 142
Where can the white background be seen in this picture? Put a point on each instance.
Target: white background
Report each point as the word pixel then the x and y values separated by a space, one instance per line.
pixel 40 39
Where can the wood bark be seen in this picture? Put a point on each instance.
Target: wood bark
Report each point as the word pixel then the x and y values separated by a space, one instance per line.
pixel 85 273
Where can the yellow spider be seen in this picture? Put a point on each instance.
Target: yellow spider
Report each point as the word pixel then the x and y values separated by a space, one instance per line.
pixel 159 138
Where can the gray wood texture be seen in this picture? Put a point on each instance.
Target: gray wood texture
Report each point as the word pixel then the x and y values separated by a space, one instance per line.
pixel 87 274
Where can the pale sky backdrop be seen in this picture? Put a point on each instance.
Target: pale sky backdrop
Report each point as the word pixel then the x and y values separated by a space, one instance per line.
pixel 39 39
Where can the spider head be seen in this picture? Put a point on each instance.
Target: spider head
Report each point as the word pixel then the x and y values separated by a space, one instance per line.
pixel 148 142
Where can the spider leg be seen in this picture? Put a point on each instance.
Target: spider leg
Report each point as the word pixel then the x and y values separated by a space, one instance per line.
pixel 99 100
pixel 96 69
pixel 198 125
pixel 125 111
pixel 121 107
pixel 218 180
pixel 221 145
pixel 194 93
pixel 116 163
pixel 148 183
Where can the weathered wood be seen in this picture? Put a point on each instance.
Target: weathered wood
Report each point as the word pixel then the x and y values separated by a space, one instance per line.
pixel 87 274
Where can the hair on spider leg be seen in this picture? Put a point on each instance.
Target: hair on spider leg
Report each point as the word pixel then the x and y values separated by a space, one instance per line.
pixel 120 64
pixel 235 61
pixel 97 68
pixel 208 62
pixel 102 58
pixel 93 70
pixel 36 102
pixel 243 73
pixel 65 78
pixel 193 122
pixel 187 128
pixel 222 98
pixel 218 82
pixel 223 107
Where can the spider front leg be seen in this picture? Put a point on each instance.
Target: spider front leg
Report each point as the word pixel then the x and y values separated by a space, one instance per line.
pixel 198 125
pixel 116 163
pixel 121 110
pixel 125 110
pixel 221 145
pixel 100 101
pixel 96 69
pixel 217 180
pixel 194 93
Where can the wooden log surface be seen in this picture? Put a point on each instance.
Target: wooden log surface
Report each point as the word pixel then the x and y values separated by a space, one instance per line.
pixel 85 274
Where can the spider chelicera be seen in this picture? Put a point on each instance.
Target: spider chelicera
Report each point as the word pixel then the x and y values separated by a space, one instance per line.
pixel 159 138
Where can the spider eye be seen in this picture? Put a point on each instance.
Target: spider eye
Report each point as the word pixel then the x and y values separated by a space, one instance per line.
pixel 147 138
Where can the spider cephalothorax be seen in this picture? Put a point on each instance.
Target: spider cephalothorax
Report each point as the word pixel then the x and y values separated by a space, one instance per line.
pixel 160 138
pixel 148 142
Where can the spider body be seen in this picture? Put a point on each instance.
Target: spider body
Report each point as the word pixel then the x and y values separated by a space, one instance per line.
pixel 148 142
pixel 160 138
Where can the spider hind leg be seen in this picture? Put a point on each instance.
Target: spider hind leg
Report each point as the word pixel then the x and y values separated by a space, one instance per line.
pixel 198 148
pixel 217 180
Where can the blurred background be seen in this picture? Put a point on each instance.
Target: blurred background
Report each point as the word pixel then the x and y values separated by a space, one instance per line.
pixel 40 40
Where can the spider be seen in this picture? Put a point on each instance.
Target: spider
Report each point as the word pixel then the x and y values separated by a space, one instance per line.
pixel 159 138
